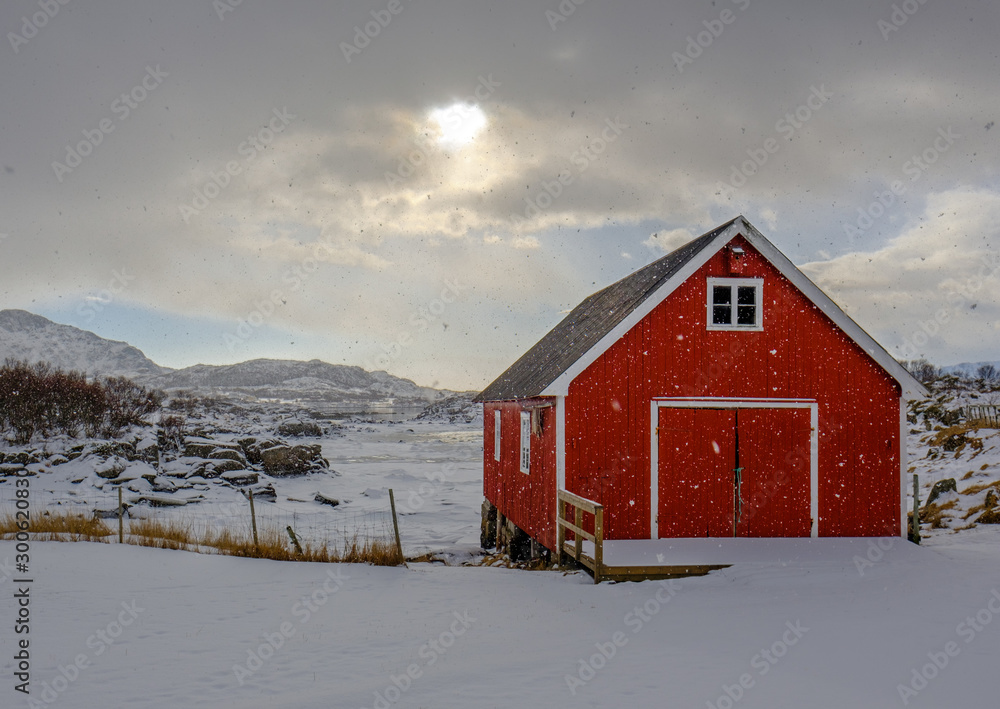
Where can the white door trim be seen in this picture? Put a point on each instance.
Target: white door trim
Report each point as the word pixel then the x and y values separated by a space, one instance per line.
pixel 723 402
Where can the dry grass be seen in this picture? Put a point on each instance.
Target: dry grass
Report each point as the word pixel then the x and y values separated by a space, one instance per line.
pixel 502 559
pixel 58 526
pixel 934 514
pixel 979 487
pixel 161 535
pixel 974 511
pixel 954 439
pixel 272 542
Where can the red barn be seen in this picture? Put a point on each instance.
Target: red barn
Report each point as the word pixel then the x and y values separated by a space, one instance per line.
pixel 715 392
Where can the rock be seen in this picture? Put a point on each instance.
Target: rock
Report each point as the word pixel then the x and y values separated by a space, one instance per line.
pixel 135 471
pixel 22 458
pixel 160 501
pixel 488 526
pixel 199 449
pixel 147 451
pixel 183 467
pixel 111 468
pixel 265 492
pixel 163 484
pixel 299 428
pixel 228 454
pixel 58 460
pixel 240 478
pixel 112 513
pixel 292 460
pixel 326 499
pixel 209 471
pixel 10 470
pixel 941 487
pixel 991 500
pixel 139 485
pixel 517 542
pixel 124 478
pixel 118 449
pixel 227 466
pixel 252 447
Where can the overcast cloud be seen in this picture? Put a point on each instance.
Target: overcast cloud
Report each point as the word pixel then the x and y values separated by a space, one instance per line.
pixel 279 162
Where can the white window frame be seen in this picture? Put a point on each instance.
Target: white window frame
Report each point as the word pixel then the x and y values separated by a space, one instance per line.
pixel 496 435
pixel 525 442
pixel 734 283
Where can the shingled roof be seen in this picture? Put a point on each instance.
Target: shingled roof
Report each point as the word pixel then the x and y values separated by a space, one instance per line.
pixel 588 323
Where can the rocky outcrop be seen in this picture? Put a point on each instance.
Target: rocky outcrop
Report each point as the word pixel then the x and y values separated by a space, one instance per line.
pixel 300 428
pixel 942 487
pixel 293 460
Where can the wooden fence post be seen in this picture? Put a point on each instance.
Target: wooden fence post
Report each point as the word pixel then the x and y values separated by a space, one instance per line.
pixel 916 509
pixel 253 520
pixel 121 517
pixel 561 531
pixel 395 525
pixel 598 543
pixel 295 540
pixel 578 521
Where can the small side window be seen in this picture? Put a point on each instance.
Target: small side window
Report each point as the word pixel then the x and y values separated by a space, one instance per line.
pixel 496 435
pixel 525 441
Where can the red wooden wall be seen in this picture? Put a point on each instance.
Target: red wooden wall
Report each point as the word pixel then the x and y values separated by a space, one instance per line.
pixel 799 354
pixel 529 500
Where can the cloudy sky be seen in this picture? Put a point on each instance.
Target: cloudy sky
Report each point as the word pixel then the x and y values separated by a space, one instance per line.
pixel 426 186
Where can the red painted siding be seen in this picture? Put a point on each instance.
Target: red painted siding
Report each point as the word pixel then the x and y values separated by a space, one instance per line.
pixel 799 354
pixel 527 499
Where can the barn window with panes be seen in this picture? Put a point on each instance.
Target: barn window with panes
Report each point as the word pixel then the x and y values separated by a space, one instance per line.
pixel 496 435
pixel 735 304
pixel 525 441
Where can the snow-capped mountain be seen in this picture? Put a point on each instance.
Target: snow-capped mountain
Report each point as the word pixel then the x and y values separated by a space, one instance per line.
pixel 291 379
pixel 24 335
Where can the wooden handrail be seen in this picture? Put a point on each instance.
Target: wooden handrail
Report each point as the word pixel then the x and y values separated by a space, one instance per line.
pixel 580 505
pixel 581 502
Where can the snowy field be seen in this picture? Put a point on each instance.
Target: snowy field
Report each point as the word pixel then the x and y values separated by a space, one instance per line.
pixel 153 628
pixel 863 623
pixel 434 469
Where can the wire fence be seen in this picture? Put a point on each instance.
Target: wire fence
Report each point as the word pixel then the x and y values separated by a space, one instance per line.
pixel 323 526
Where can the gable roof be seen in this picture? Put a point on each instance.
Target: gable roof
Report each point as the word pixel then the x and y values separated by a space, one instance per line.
pixel 604 317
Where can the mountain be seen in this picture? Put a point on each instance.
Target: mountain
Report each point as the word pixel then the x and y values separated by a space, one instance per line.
pixel 293 380
pixel 24 335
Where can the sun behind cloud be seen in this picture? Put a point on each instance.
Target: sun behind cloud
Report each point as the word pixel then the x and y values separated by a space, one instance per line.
pixel 458 124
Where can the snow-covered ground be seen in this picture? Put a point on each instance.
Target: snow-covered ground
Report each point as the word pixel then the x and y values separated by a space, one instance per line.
pixel 433 467
pixel 863 623
pixel 153 628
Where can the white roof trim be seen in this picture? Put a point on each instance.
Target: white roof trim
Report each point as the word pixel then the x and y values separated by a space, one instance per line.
pixel 560 387
pixel 911 387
